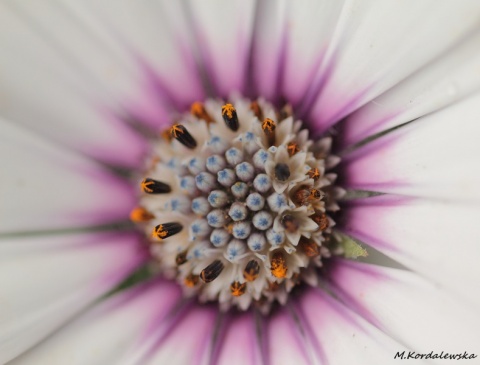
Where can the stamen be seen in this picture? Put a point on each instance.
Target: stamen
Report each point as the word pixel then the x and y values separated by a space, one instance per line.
pixel 238 289
pixel 181 134
pixel 268 127
pixel 181 258
pixel 151 186
pixel 321 219
pixel 292 148
pixel 306 195
pixel 229 115
pixel 211 272
pixel 165 230
pixel 252 270
pixel 140 214
pixel 285 112
pixel 314 174
pixel 166 135
pixel 290 223
pixel 282 172
pixel 198 110
pixel 256 109
pixel 191 280
pixel 278 265
pixel 310 248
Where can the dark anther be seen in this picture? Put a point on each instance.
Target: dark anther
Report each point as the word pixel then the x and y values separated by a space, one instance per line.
pixel 211 272
pixel 257 111
pixel 229 115
pixel 166 230
pixel 282 171
pixel 268 127
pixel 292 148
pixel 237 289
pixel 181 258
pixel 309 247
pixel 290 223
pixel 180 133
pixel 321 219
pixel 151 186
pixel 251 271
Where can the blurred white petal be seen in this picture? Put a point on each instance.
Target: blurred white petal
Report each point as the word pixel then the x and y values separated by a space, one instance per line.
pixel 46 280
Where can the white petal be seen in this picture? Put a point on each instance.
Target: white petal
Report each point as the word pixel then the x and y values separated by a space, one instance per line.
pixel 58 95
pixel 187 342
pixel 268 47
pixel 340 336
pixel 311 24
pixel 407 307
pixel 45 280
pixel 432 237
pixel 240 344
pixel 224 32
pixel 378 43
pixel 46 187
pixel 287 344
pixel 107 332
pixel 435 156
pixel 450 78
pixel 158 36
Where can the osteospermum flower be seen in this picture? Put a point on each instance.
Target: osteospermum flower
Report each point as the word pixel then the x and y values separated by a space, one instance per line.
pixel 301 177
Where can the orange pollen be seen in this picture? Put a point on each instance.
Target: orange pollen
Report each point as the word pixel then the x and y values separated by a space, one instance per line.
pixel 228 110
pixel 160 232
pixel 176 131
pixel 190 280
pixel 315 194
pixel 198 110
pixel 145 185
pixel 252 270
pixel 313 174
pixel 140 214
pixel 255 108
pixel 268 126
pixel 292 148
pixel 278 265
pixel 238 289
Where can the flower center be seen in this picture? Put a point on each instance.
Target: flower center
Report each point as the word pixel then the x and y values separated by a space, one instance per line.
pixel 236 202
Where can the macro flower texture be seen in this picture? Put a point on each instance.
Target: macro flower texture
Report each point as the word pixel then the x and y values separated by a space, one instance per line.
pixel 249 182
